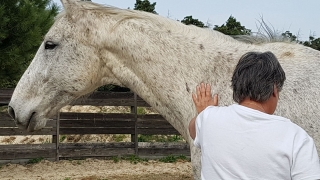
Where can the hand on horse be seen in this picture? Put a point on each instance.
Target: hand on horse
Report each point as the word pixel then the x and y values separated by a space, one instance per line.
pixel 203 97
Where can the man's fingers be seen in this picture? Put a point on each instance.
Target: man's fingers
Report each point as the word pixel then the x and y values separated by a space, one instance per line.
pixel 202 90
pixel 194 98
pixel 215 100
pixel 203 98
pixel 198 91
pixel 208 91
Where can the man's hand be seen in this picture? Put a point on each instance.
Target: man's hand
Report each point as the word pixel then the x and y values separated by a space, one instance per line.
pixel 203 97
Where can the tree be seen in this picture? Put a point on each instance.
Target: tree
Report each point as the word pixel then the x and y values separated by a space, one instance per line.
pixel 313 43
pixel 232 27
pixel 189 20
pixel 145 5
pixel 22 27
pixel 290 36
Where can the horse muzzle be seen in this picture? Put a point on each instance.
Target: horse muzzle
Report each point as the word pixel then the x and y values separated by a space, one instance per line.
pixel 25 121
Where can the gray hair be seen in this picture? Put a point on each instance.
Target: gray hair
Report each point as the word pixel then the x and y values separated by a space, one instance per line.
pixel 255 76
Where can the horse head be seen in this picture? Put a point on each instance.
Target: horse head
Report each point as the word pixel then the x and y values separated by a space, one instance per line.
pixel 65 67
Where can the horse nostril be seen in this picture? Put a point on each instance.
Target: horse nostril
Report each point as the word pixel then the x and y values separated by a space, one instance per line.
pixel 11 112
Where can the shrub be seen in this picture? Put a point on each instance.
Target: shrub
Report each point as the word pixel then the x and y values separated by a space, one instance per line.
pixel 35 160
pixel 172 159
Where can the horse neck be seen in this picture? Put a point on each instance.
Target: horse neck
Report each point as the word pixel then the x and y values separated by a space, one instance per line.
pixel 138 45
pixel 164 64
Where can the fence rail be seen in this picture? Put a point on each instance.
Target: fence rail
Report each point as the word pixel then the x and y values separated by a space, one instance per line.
pixel 93 123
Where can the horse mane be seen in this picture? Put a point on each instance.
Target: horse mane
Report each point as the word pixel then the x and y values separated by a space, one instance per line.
pixel 161 22
pixel 265 34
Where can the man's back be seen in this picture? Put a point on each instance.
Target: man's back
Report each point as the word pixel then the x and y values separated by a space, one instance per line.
pixel 242 143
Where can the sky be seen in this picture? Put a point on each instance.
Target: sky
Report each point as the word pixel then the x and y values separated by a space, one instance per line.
pixel 300 17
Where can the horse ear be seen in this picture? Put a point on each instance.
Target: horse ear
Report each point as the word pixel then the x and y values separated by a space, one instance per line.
pixel 69 5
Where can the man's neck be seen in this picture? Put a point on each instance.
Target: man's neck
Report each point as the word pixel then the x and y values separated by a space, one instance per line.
pixel 260 106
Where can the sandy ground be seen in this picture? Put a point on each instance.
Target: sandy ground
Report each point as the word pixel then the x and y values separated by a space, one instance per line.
pixel 93 169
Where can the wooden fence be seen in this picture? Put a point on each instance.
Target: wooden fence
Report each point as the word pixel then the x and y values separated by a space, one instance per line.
pixel 92 123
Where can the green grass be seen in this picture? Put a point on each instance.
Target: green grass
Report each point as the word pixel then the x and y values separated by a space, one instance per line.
pixel 115 159
pixel 35 160
pixel 46 141
pixel 135 159
pixel 172 159
pixel 132 159
pixel 3 108
pixel 159 138
pixel 62 138
pixel 119 137
pixel 141 110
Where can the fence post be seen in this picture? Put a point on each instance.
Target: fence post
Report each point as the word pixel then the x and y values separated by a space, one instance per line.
pixel 56 138
pixel 133 110
pixel 134 137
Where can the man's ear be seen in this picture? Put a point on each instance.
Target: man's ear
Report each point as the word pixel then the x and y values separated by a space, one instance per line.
pixel 275 91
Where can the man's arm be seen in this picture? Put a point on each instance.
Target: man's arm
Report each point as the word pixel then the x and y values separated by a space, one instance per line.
pixel 202 99
pixel 192 127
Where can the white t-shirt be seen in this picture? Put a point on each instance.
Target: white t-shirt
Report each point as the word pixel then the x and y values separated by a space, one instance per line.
pixel 242 143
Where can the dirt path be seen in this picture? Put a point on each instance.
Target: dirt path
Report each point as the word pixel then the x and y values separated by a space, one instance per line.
pixel 92 169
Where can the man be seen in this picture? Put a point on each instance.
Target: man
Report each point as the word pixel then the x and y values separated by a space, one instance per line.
pixel 245 141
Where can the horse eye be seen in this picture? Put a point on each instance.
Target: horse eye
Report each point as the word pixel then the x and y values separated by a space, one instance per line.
pixel 50 45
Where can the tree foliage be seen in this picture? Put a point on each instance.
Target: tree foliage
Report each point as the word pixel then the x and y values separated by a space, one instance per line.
pixel 145 5
pixel 289 35
pixel 313 43
pixel 232 27
pixel 22 27
pixel 189 20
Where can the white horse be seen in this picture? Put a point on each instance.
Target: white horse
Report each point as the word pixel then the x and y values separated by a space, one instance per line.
pixel 160 59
